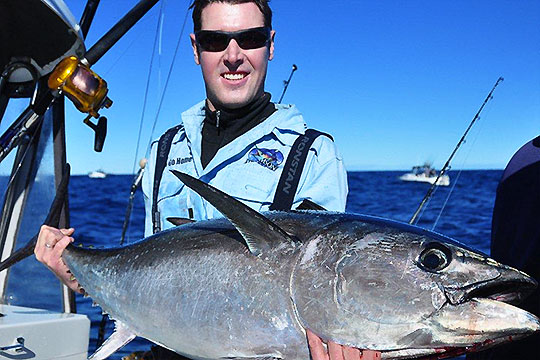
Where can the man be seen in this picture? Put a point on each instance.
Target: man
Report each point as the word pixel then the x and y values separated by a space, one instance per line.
pixel 515 237
pixel 236 140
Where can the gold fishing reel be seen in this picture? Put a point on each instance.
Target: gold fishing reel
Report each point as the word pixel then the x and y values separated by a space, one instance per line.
pixel 87 90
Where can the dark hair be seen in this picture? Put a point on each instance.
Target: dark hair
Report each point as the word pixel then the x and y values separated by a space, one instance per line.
pixel 199 5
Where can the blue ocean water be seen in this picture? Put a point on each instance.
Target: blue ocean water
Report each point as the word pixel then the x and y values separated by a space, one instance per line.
pixel 97 210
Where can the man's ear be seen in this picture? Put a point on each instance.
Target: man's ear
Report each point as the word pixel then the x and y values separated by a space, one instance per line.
pixel 271 49
pixel 195 50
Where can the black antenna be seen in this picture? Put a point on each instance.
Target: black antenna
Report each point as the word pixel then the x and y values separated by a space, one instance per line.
pixel 447 165
pixel 287 82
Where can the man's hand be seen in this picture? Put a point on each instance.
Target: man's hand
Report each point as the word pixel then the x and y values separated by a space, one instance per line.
pixel 336 351
pixel 49 248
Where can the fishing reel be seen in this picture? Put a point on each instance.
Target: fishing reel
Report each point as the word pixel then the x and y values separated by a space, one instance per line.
pixel 86 90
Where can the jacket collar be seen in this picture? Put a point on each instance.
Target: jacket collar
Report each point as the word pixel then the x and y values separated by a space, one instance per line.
pixel 285 123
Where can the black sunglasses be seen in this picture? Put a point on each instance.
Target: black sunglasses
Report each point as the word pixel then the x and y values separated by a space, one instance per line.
pixel 214 41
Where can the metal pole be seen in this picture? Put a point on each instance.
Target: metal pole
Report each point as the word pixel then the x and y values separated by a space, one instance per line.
pixel 4 99
pixel 59 147
pixel 15 198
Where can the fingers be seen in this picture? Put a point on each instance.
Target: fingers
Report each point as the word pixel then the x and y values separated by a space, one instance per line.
pixel 335 351
pixel 350 353
pixel 316 347
pixel 370 355
pixel 47 239
pixel 67 232
pixel 59 247
pixel 50 245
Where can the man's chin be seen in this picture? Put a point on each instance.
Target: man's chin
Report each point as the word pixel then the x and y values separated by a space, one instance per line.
pixel 233 104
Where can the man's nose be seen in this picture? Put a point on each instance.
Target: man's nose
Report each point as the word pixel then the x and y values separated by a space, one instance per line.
pixel 233 53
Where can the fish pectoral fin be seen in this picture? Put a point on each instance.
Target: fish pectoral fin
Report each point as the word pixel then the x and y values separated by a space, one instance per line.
pixel 309 205
pixel 259 233
pixel 120 337
pixel 179 221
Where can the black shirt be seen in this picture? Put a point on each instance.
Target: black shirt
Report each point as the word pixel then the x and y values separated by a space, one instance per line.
pixel 224 125
pixel 515 238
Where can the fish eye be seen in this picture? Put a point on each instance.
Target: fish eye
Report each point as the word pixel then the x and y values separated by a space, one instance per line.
pixel 435 257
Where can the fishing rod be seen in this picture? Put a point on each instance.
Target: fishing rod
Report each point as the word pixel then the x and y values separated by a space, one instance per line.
pixel 134 186
pixel 74 78
pixel 287 82
pixel 88 16
pixel 137 179
pixel 447 164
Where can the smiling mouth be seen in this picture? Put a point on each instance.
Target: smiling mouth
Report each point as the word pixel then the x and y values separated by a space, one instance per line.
pixel 234 76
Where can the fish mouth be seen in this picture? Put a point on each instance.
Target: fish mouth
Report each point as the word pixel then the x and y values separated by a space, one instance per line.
pixel 510 291
pixel 493 295
pixel 430 354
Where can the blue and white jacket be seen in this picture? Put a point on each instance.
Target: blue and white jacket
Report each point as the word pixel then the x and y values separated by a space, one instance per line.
pixel 248 168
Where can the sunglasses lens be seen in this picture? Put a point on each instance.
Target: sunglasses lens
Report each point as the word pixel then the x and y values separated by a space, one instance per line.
pixel 212 41
pixel 216 41
pixel 252 39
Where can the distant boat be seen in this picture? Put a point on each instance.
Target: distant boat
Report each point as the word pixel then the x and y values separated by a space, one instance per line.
pixel 98 174
pixel 425 173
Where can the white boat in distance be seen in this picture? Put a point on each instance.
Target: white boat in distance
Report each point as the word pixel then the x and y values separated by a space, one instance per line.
pixel 98 174
pixel 425 173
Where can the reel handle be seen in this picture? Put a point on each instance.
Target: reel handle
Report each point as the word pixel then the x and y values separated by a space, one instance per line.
pixel 100 131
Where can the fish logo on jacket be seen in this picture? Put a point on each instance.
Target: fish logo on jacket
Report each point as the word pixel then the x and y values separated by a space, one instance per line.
pixel 269 158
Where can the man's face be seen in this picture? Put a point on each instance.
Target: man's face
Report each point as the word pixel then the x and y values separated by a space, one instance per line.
pixel 233 77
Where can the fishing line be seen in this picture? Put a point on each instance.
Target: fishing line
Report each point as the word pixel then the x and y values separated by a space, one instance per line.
pixel 145 101
pixel 157 44
pixel 168 77
pixel 460 142
pixel 121 56
pixel 160 50
pixel 465 159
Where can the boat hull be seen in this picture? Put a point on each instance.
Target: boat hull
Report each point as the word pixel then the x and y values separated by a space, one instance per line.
pixel 443 180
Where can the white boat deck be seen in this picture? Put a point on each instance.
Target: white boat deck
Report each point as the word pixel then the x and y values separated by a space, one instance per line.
pixel 27 333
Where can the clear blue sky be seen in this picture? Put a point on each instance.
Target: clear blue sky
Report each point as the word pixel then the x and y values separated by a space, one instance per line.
pixel 395 82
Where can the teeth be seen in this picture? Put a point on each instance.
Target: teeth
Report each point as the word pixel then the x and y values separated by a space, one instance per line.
pixel 229 76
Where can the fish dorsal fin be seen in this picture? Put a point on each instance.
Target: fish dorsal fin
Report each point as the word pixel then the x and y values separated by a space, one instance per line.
pixel 120 337
pixel 259 232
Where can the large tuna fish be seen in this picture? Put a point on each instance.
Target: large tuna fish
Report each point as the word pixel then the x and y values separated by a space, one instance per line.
pixel 212 290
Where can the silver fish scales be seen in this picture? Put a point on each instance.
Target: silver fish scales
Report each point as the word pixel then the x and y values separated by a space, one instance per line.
pixel 247 287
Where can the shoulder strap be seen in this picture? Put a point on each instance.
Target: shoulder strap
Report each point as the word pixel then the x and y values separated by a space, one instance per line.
pixel 292 170
pixel 163 149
